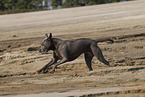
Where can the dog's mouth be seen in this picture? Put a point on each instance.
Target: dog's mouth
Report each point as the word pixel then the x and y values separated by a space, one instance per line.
pixel 44 52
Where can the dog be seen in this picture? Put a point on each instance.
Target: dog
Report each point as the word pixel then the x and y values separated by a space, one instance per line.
pixel 69 50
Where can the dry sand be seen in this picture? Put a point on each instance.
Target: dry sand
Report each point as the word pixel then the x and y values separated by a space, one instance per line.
pixel 123 22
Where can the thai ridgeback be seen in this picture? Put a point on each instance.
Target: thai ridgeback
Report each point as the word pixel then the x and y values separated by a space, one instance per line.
pixel 69 50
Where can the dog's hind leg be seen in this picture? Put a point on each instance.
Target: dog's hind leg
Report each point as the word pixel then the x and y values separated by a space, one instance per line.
pixel 88 59
pixel 98 53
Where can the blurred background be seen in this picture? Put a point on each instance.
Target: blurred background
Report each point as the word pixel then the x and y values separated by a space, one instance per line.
pixel 16 6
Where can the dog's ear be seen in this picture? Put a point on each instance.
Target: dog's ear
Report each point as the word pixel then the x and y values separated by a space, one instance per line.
pixel 48 37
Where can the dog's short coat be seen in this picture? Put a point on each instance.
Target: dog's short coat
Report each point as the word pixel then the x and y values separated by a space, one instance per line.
pixel 69 50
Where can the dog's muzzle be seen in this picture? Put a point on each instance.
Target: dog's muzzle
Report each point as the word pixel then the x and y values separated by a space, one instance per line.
pixel 39 50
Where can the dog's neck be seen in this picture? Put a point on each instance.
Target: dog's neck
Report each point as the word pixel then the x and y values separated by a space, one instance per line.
pixel 56 43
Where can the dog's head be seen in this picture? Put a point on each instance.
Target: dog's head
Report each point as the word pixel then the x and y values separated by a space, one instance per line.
pixel 46 44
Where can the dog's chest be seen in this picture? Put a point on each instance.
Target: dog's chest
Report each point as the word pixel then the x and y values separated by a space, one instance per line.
pixel 57 54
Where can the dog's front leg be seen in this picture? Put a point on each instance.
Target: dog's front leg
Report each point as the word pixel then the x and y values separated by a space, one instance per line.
pixel 45 68
pixel 58 63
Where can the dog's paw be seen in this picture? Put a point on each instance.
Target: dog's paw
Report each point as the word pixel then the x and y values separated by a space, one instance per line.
pixel 39 71
pixel 52 71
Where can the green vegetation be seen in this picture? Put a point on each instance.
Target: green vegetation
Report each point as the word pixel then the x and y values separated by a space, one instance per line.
pixel 76 3
pixel 17 6
pixel 20 4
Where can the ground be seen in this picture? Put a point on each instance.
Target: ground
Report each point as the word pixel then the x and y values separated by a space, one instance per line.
pixel 21 36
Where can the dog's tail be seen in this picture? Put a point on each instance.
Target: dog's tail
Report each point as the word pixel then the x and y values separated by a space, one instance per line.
pixel 105 39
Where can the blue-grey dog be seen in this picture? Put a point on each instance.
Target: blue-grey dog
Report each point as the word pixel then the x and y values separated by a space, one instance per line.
pixel 69 50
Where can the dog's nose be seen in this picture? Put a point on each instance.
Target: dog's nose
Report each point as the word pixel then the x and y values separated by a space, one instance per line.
pixel 39 50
